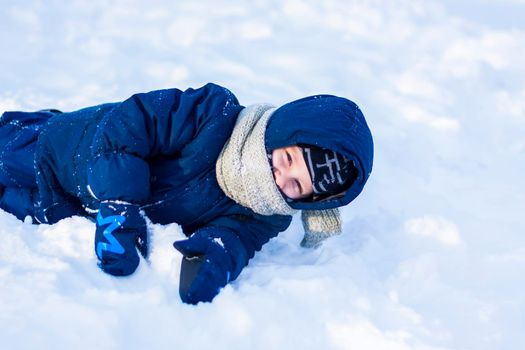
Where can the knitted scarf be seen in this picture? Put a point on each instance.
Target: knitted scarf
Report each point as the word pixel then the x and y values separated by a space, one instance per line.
pixel 245 175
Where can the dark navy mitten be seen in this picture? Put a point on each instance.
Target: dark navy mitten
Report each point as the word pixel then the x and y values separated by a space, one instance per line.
pixel 207 266
pixel 121 230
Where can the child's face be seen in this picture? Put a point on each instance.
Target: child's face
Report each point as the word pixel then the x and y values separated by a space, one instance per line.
pixel 290 172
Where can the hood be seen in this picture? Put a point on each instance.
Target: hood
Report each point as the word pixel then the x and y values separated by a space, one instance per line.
pixel 326 121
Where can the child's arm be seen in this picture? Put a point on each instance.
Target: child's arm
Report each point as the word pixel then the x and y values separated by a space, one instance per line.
pixel 151 124
pixel 216 254
pixel 143 126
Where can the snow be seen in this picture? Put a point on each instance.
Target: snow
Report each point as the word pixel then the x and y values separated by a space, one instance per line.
pixel 432 255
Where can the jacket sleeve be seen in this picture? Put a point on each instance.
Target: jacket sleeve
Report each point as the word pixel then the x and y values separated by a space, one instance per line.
pixel 146 125
pixel 243 235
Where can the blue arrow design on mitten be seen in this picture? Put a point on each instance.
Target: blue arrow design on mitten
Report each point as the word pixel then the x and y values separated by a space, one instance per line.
pixel 113 246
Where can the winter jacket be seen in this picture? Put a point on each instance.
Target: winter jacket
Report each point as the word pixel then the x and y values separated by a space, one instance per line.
pixel 157 150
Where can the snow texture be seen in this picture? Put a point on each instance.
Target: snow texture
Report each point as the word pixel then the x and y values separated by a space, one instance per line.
pixel 433 252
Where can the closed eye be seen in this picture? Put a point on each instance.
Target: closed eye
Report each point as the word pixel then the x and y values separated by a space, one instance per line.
pixel 289 158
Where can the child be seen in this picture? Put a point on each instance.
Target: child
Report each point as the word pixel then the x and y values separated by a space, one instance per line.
pixel 230 176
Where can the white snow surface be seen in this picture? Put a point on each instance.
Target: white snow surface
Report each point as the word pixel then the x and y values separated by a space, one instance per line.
pixel 433 252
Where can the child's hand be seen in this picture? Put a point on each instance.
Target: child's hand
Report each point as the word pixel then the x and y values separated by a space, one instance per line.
pixel 121 230
pixel 206 268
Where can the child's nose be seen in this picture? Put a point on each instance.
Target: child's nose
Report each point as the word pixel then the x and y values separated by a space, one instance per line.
pixel 280 179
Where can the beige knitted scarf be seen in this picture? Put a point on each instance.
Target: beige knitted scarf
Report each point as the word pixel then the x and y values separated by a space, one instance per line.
pixel 245 175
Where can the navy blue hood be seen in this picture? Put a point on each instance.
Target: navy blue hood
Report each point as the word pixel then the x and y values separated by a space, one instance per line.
pixel 326 121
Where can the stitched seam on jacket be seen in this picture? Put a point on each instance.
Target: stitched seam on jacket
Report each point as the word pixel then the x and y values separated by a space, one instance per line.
pixel 76 162
pixel 6 148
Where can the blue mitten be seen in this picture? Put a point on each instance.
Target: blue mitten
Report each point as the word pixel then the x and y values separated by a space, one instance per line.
pixel 206 268
pixel 121 230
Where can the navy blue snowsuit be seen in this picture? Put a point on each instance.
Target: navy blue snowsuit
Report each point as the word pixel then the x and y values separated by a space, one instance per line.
pixel 157 152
